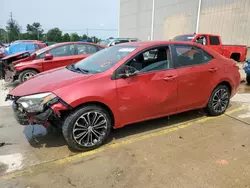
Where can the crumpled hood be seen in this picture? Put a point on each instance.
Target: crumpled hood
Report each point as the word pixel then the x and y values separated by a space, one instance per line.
pixel 48 81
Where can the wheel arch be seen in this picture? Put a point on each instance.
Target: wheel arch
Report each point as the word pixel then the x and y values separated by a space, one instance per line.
pixel 226 83
pixel 96 103
pixel 25 69
pixel 222 82
pixel 235 56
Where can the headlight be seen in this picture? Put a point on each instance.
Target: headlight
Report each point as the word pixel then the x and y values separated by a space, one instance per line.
pixel 35 103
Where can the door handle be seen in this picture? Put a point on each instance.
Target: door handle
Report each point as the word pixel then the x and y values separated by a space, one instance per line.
pixel 170 78
pixel 212 69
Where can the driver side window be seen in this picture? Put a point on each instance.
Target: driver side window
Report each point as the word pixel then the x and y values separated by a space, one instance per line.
pixel 201 40
pixel 66 50
pixel 152 60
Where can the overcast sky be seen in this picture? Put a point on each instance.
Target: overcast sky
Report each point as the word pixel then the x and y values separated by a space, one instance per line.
pixel 68 15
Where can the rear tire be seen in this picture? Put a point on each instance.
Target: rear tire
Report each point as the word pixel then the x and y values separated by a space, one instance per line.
pixel 26 74
pixel 219 101
pixel 248 78
pixel 87 128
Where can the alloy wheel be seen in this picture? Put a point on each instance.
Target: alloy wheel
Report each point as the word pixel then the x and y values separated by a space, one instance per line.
pixel 220 100
pixel 90 129
pixel 28 75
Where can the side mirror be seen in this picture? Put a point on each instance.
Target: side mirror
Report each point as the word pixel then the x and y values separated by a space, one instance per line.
pixel 48 57
pixel 127 72
pixel 127 75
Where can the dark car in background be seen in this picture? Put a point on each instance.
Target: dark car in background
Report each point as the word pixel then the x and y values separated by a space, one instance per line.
pixel 114 41
pixel 247 70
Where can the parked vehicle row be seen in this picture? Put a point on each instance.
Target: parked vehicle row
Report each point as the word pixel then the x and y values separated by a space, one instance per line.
pixel 124 84
pixel 51 57
pixel 114 41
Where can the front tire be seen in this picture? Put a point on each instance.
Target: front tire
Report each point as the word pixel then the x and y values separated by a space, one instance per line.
pixel 26 74
pixel 248 78
pixel 87 128
pixel 219 101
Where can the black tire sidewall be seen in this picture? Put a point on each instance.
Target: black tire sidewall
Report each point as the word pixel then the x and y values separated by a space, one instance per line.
pixel 20 78
pixel 69 122
pixel 209 109
pixel 248 78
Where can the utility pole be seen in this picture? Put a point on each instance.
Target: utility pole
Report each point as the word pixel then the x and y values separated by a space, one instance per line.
pixel 37 34
pixel 11 18
pixel 152 21
pixel 87 32
pixel 198 17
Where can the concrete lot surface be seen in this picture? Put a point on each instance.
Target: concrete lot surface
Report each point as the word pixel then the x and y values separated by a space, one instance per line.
pixel 185 150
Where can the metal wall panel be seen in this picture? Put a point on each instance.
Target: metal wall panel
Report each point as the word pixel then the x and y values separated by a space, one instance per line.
pixel 229 18
pixel 135 17
pixel 179 24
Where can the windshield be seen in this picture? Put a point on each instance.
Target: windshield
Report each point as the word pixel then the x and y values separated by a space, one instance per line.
pixel 103 60
pixel 184 38
pixel 42 50
pixel 105 42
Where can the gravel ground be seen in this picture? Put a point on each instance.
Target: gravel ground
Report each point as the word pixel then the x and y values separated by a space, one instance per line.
pixel 4 90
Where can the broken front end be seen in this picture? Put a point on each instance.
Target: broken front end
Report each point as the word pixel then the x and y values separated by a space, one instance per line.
pixel 44 108
pixel 7 71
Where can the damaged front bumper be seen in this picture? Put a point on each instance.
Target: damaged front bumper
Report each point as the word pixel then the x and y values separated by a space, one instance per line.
pixel 7 72
pixel 50 115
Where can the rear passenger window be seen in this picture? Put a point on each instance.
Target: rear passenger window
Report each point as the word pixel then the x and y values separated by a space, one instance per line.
pixel 189 55
pixel 207 57
pixel 85 49
pixel 65 50
pixel 214 40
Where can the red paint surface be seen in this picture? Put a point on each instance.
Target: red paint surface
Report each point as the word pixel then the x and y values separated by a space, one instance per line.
pixel 225 50
pixel 42 65
pixel 141 97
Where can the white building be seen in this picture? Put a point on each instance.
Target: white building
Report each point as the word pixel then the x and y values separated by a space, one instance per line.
pixel 228 18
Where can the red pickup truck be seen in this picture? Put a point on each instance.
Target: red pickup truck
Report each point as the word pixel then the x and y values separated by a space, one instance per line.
pixel 236 52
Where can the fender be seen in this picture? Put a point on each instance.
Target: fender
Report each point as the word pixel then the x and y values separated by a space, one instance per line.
pixel 98 99
pixel 21 67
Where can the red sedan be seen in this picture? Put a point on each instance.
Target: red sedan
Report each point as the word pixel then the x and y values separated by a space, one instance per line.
pixel 125 84
pixel 54 56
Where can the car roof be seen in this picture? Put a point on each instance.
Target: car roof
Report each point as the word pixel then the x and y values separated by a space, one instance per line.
pixel 153 43
pixel 122 39
pixel 64 43
pixel 194 34
pixel 147 44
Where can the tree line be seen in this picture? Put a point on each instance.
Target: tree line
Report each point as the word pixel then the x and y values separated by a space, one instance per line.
pixel 35 32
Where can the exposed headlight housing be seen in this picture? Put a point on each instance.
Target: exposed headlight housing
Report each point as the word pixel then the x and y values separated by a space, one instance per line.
pixel 36 103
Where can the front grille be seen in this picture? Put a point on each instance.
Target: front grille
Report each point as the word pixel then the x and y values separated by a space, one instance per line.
pixel 11 98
